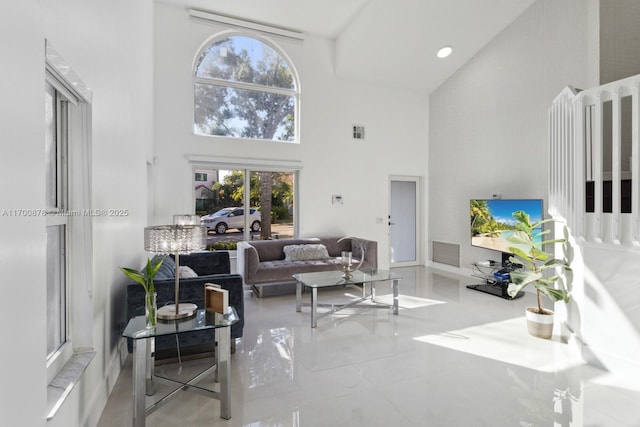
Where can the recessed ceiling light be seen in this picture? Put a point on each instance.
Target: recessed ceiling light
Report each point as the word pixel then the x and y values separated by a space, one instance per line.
pixel 445 51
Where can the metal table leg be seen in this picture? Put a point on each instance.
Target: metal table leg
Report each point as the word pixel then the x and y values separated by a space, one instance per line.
pixel 223 339
pixel 298 297
pixel 150 358
pixel 140 351
pixel 394 288
pixel 314 307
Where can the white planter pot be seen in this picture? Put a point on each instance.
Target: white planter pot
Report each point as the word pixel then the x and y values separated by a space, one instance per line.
pixel 539 325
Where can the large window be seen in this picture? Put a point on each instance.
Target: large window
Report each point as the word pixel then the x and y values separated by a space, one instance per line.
pixel 67 202
pixel 244 88
pixel 271 205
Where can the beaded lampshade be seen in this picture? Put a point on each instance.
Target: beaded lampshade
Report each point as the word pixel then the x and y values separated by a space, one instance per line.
pixel 176 240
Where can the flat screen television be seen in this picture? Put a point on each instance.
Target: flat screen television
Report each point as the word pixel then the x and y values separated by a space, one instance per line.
pixel 492 221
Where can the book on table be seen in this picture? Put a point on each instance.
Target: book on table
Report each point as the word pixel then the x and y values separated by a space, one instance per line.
pixel 216 299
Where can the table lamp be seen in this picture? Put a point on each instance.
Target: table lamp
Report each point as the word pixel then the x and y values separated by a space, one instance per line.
pixel 186 219
pixel 176 240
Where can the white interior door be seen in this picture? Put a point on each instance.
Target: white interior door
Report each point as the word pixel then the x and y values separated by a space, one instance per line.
pixel 403 221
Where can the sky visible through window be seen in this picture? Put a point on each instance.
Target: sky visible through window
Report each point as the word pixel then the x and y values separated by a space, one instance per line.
pixel 259 100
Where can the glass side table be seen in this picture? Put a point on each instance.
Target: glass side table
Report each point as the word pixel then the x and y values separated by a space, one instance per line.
pixel 144 363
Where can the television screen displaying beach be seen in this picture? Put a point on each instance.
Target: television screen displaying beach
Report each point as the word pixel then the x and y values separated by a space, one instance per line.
pixel 492 221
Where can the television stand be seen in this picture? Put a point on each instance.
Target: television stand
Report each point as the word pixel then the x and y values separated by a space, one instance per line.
pixel 496 288
pixel 492 285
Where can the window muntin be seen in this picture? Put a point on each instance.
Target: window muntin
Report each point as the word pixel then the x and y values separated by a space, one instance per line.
pixel 244 89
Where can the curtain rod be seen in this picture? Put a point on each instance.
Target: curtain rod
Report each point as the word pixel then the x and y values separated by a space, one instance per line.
pixel 213 17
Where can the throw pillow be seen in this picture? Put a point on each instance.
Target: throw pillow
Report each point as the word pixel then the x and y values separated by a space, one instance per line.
pixel 305 252
pixel 186 272
pixel 167 269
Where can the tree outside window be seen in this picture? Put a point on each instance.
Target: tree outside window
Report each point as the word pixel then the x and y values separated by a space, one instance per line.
pixel 243 88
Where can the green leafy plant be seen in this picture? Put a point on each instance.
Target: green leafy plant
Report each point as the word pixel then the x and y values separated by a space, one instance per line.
pixel 144 277
pixel 535 262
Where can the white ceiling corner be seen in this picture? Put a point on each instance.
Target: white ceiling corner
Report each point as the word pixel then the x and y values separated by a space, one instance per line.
pixel 391 43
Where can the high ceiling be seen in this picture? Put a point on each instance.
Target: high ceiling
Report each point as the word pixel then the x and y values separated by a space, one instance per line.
pixel 375 39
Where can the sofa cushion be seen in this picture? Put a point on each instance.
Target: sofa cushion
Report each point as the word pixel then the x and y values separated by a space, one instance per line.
pixel 305 252
pixel 270 250
pixel 186 272
pixel 283 271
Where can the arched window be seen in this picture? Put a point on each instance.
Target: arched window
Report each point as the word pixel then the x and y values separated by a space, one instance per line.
pixel 244 88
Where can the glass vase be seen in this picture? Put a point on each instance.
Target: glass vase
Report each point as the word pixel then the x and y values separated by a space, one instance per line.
pixel 151 309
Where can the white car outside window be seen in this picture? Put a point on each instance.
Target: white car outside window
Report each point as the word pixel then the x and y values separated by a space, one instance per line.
pixel 227 218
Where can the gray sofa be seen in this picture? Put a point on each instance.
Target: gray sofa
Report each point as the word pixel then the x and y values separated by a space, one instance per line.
pixel 263 266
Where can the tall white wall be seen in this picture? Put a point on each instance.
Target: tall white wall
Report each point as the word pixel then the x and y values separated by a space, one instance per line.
pixel 22 249
pixel 109 44
pixel 331 162
pixel 489 119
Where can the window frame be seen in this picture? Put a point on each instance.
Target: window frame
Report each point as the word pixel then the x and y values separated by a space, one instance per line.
pixel 73 131
pixel 56 218
pixel 217 82
pixel 248 166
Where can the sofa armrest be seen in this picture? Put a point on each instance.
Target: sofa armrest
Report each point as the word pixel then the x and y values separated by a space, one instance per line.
pixel 247 262
pixel 370 253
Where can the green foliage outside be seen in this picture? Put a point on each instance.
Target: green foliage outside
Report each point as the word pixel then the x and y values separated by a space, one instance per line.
pixel 223 245
pixel 230 192
pixel 263 110
pixel 248 113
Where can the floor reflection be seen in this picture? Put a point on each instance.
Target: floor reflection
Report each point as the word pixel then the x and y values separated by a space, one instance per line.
pixel 452 357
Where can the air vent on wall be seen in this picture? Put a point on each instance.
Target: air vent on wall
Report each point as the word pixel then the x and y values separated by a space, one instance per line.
pixel 358 132
pixel 446 253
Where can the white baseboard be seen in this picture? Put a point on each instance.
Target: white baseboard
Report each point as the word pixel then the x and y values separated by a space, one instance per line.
pixel 451 269
pixel 99 400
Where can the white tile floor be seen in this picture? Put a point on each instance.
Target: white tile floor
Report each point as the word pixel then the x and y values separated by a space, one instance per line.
pixel 452 357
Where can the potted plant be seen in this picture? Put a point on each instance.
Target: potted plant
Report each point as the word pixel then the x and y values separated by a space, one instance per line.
pixel 534 262
pixel 145 278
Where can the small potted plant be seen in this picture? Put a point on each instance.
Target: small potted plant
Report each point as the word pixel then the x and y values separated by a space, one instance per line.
pixel 534 262
pixel 145 278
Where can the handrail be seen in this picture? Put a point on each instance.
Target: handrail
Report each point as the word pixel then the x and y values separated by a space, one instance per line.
pixel 589 133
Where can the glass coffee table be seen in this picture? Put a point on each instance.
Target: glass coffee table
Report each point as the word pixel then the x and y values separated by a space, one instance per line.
pixel 358 279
